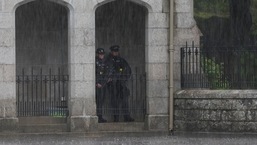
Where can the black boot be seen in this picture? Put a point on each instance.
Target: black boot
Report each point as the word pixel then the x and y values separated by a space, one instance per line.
pixel 128 118
pixel 101 119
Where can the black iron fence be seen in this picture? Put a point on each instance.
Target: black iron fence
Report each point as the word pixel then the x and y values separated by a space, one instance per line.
pixel 122 96
pixel 41 94
pixel 219 67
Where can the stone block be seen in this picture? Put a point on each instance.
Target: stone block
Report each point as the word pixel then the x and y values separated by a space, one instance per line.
pixel 7 55
pixel 84 20
pixel 84 37
pixel 250 115
pixel 9 73
pixel 179 115
pixel 89 35
pixel 1 5
pixel 83 123
pixel 6 20
pixel 196 126
pixel 158 37
pixel 254 104
pixel 183 35
pixel 220 126
pixel 9 5
pixel 214 115
pixel 184 6
pixel 158 20
pixel 166 6
pixel 9 108
pixel 177 71
pixel 179 125
pixel 158 106
pixel 82 89
pixel 7 37
pixel 90 5
pixel 238 104
pixel 180 104
pixel 77 72
pixel 2 115
pixel 9 124
pixel 89 72
pixel 82 107
pixel 82 54
pixel 157 122
pixel 193 115
pixel 233 115
pixel 220 104
pixel 157 71
pixel 81 6
pixel 157 88
pixel 158 54
pixel 7 90
pixel 1 73
pixel 197 104
pixel 156 5
pixel 184 20
pixel 78 37
pixel 244 126
pixel 177 55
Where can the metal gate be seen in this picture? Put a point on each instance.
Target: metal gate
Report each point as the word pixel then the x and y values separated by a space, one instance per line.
pixel 42 93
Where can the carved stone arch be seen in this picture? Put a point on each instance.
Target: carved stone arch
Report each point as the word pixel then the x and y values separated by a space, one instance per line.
pixel 139 2
pixel 61 2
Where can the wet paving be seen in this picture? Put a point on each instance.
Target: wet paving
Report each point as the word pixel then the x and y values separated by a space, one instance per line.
pixel 128 139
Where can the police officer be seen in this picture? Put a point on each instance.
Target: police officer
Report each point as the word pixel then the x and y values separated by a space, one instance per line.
pixel 101 72
pixel 117 87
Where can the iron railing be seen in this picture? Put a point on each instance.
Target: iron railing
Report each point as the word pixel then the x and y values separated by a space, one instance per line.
pixel 41 94
pixel 131 100
pixel 219 67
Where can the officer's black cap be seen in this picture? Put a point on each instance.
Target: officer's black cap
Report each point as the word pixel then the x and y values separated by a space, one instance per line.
pixel 100 51
pixel 115 48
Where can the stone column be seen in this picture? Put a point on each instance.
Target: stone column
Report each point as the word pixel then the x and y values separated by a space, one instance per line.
pixel 157 65
pixel 186 30
pixel 8 114
pixel 82 67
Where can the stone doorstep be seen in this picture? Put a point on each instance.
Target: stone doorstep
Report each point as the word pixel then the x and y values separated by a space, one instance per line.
pixel 122 127
pixel 42 124
pixel 43 128
pixel 41 120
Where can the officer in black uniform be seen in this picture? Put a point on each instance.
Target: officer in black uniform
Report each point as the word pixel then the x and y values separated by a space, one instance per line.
pixel 101 80
pixel 117 87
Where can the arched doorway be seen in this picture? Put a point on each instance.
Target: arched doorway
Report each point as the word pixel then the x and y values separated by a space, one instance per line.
pixel 41 59
pixel 123 23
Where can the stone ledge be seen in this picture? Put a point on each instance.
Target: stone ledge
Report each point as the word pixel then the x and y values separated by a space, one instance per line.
pixel 83 123
pixel 9 124
pixel 215 94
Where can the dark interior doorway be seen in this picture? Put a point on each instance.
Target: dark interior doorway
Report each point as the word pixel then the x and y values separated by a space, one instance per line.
pixel 123 23
pixel 41 58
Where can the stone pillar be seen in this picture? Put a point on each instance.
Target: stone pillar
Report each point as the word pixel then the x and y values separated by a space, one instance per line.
pixel 82 104
pixel 157 64
pixel 186 30
pixel 8 115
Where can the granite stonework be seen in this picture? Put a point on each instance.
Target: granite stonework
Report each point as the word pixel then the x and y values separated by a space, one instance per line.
pixel 82 107
pixel 81 58
pixel 216 110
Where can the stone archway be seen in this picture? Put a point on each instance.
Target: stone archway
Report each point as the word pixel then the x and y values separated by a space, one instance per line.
pixel 124 23
pixel 42 58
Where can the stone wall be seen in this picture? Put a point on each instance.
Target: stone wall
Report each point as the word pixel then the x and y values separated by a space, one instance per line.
pixel 8 119
pixel 216 110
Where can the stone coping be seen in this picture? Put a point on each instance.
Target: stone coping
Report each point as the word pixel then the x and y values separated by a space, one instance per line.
pixel 215 94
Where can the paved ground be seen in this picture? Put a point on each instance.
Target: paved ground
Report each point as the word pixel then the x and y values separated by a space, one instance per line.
pixel 129 139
